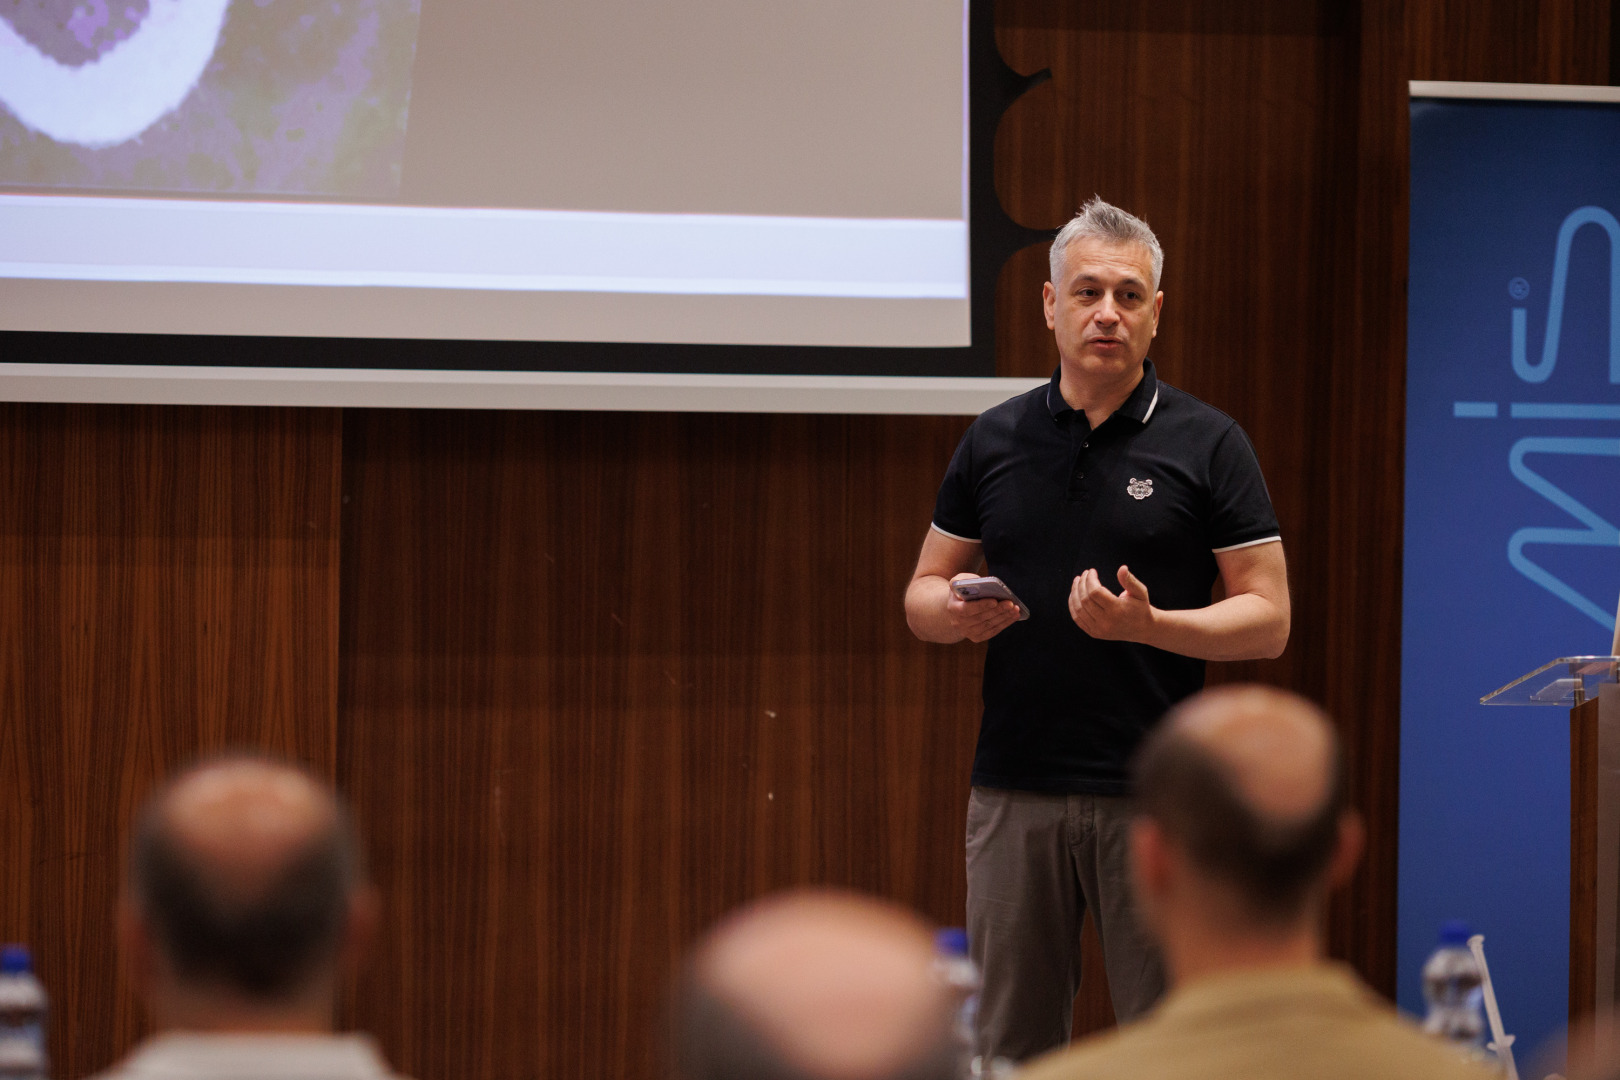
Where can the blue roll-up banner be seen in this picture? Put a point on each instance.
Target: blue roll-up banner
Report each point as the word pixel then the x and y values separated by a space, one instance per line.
pixel 1512 553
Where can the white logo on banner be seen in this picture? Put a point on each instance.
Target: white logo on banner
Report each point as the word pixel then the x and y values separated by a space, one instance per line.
pixel 121 93
pixel 1539 371
pixel 1595 529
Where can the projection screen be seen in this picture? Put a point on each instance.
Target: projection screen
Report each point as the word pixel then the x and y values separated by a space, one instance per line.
pixel 616 179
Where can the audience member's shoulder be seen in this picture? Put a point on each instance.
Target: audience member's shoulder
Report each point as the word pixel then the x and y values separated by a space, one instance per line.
pixel 1363 1037
pixel 1133 1054
pixel 1404 1052
pixel 1100 1057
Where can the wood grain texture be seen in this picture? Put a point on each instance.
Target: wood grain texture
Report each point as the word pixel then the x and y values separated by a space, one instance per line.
pixel 168 589
pixel 1552 41
pixel 1267 145
pixel 1358 468
pixel 607 676
pixel 603 676
pixel 1583 858
pixel 1239 143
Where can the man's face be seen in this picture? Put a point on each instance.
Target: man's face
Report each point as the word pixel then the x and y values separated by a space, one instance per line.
pixel 1103 313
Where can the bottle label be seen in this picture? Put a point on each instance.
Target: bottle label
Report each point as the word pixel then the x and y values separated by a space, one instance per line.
pixel 22 1050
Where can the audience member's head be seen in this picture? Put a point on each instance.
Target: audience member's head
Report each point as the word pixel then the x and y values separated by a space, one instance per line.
pixel 245 900
pixel 1243 826
pixel 815 986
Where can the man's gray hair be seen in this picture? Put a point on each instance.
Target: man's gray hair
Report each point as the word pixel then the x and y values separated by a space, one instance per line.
pixel 1103 221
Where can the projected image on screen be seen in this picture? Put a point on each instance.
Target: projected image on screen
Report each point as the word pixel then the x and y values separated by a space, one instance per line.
pixel 744 172
pixel 296 97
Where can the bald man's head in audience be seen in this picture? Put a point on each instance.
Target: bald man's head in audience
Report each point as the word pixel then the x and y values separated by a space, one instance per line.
pixel 815 985
pixel 1243 828
pixel 246 899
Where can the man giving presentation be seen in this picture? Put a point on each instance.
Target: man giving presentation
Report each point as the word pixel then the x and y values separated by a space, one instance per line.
pixel 1115 506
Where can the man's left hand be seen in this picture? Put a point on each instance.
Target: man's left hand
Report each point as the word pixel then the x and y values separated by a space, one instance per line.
pixel 1097 611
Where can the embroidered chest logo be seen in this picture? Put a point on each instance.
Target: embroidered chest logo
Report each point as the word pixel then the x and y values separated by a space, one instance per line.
pixel 1139 489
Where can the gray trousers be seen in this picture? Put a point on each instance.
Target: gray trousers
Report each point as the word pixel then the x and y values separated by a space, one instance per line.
pixel 1035 864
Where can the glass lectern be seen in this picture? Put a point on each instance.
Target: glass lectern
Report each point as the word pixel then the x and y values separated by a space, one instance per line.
pixel 1568 681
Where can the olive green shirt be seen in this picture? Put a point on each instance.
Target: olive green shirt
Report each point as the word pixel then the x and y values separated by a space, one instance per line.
pixel 1319 1022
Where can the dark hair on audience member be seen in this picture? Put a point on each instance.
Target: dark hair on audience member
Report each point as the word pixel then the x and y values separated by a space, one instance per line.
pixel 713 1042
pixel 1272 863
pixel 267 945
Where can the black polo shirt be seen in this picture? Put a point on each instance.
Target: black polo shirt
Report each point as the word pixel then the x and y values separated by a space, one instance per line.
pixel 1163 485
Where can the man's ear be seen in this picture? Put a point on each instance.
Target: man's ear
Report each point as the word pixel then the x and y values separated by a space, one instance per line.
pixel 1347 852
pixel 1049 304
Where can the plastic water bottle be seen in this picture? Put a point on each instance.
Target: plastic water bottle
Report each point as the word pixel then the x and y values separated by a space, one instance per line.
pixel 22 1017
pixel 961 974
pixel 958 971
pixel 1451 987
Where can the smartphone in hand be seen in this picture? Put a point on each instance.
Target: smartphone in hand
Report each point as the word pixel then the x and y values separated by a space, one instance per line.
pixel 988 588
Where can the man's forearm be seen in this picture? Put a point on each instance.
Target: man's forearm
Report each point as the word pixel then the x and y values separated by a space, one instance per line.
pixel 925 610
pixel 1248 626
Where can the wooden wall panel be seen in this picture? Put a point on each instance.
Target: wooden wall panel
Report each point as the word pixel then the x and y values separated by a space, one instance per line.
pixel 1268 147
pixel 168 588
pixel 1551 41
pixel 1585 862
pixel 607 676
pixel 1237 141
pixel 1363 421
pixel 1234 146
pixel 604 676
pixel 1356 526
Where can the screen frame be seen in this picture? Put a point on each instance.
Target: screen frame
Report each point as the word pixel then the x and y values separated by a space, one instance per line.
pixel 419 373
pixel 1494 91
pixel 572 390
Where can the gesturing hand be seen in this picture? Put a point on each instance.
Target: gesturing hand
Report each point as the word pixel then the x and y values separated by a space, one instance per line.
pixel 979 620
pixel 1126 617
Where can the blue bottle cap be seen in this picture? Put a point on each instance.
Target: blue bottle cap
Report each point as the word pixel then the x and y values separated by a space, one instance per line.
pixel 951 941
pixel 16 960
pixel 1455 932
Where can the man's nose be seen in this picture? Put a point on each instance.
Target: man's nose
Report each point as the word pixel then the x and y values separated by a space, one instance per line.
pixel 1107 313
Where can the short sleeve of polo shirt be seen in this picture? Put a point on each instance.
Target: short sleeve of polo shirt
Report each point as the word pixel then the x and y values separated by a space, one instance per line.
pixel 1240 506
pixel 956 508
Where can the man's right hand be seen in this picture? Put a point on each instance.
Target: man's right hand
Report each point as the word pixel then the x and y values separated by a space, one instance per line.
pixel 978 620
pixel 934 612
